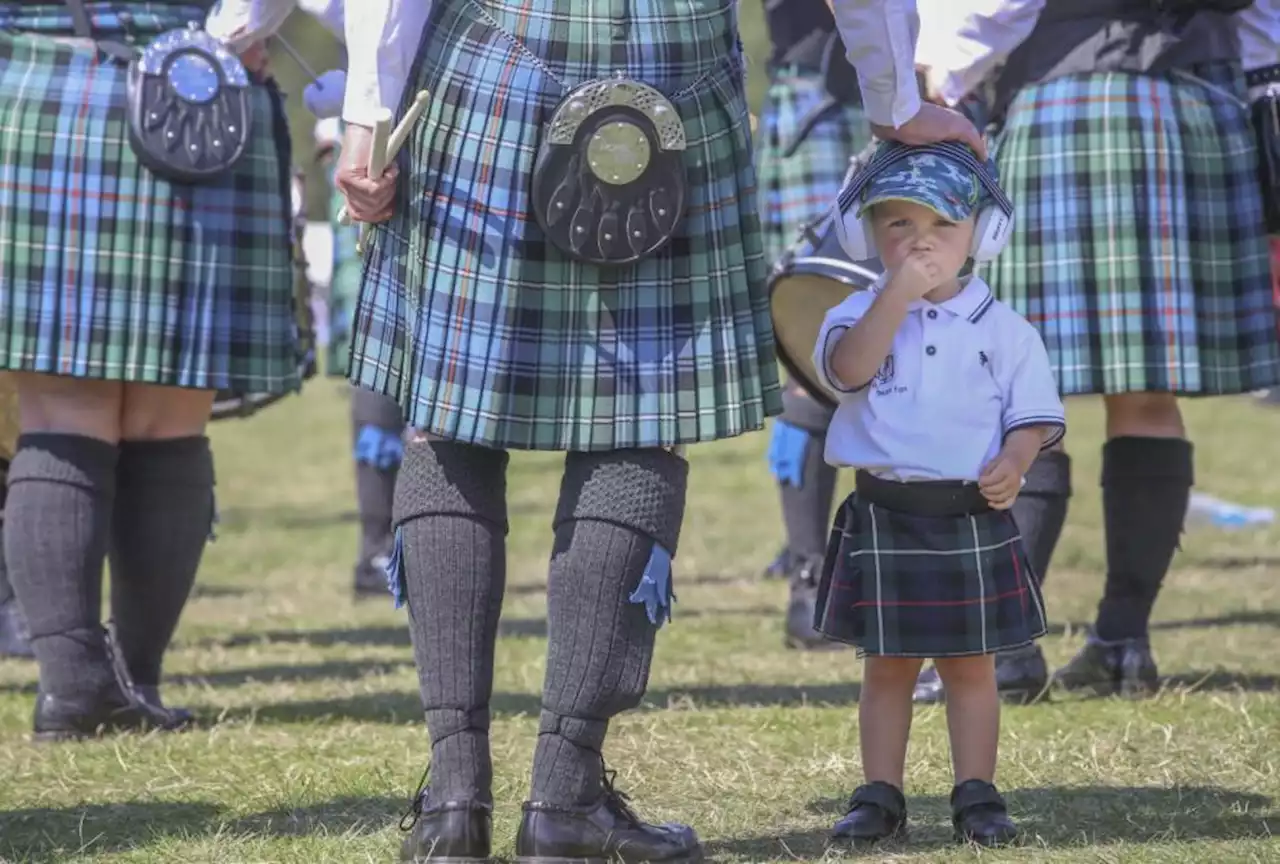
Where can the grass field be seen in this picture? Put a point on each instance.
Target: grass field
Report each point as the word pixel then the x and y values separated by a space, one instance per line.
pixel 311 742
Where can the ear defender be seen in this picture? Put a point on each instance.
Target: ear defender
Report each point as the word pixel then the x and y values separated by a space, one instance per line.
pixel 993 225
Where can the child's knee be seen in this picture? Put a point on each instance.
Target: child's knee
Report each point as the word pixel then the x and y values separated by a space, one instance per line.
pixel 890 672
pixel 966 673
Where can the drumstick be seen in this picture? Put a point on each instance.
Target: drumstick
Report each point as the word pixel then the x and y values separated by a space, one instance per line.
pixel 395 141
pixel 297 58
pixel 378 159
pixel 377 156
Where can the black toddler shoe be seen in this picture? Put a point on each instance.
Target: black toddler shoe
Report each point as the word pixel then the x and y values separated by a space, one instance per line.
pixel 876 811
pixel 600 833
pixel 980 816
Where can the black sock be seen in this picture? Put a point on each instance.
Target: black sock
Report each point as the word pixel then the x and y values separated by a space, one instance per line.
pixel 1040 510
pixel 376 429
pixel 451 520
pixel 57 522
pixel 806 483
pixel 617 525
pixel 1146 483
pixel 163 515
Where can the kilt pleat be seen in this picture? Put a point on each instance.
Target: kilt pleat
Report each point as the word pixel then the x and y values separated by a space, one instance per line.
pixel 486 333
pixel 109 272
pixel 902 585
pixel 1139 248
pixel 799 188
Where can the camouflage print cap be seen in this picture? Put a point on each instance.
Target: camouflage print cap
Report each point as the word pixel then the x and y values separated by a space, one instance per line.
pixel 949 188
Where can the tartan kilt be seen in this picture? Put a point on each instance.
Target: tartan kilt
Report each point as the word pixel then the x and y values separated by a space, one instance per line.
pixel 1139 249
pixel 111 273
pixel 796 190
pixel 344 289
pixel 901 585
pixel 485 332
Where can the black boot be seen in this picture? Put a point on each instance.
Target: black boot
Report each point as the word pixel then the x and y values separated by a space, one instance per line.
pixel 979 815
pixel 876 811
pixel 606 830
pixel 446 832
pixel 801 607
pixel 116 707
pixel 1101 668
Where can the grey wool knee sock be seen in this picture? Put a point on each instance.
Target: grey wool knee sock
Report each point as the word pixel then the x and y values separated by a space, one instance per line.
pixel 163 516
pixel 57 521
pixel 451 524
pixel 376 429
pixel 618 513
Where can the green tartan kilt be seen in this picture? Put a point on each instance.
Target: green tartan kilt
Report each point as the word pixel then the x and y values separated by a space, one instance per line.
pixel 484 331
pixel 1139 247
pixel 111 273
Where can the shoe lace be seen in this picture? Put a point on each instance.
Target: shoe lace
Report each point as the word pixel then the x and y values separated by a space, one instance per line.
pixel 618 801
pixel 118 667
pixel 414 813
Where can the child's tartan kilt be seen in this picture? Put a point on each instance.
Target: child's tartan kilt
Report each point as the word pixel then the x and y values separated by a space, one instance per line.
pixel 797 189
pixel 903 585
pixel 1139 248
pixel 108 272
pixel 488 334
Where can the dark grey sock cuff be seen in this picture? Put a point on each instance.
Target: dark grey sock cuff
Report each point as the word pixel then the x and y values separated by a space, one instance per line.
pixel 72 460
pixel 446 478
pixel 447 722
pixel 801 410
pixel 167 462
pixel 369 408
pixel 1130 459
pixel 585 732
pixel 1049 475
pixel 640 490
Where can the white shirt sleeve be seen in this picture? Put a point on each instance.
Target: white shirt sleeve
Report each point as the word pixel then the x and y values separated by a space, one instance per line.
pixel 1030 393
pixel 331 14
pixel 837 322
pixel 880 41
pixel 962 41
pixel 382 43
pixel 1260 34
pixel 240 23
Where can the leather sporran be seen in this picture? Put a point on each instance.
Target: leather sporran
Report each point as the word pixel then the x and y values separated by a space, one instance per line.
pixel 1266 125
pixel 190 115
pixel 609 185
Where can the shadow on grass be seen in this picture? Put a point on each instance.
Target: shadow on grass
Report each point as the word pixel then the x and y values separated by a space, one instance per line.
pixel 404 706
pixel 1051 816
pixel 46 835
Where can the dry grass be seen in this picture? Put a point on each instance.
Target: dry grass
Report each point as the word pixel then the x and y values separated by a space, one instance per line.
pixel 311 742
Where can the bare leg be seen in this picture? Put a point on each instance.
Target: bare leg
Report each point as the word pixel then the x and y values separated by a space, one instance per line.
pixel 973 715
pixel 884 716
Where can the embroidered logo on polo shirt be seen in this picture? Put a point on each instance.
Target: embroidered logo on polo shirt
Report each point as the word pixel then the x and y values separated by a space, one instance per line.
pixel 885 373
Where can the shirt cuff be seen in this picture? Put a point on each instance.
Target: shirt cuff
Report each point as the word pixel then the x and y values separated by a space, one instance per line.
pixel 890 109
pixel 1026 419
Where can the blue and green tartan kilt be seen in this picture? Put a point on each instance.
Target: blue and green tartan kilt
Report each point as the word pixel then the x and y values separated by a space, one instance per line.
pixel 485 332
pixel 899 584
pixel 108 272
pixel 344 289
pixel 797 189
pixel 1139 248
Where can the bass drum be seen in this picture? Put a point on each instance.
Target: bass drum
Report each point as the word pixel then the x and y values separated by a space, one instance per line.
pixel 228 404
pixel 810 279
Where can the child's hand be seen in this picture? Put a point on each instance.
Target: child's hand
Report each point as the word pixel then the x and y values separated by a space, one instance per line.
pixel 1000 482
pixel 917 276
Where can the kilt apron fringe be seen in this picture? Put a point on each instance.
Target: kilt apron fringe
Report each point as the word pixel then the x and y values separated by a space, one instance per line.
pixel 1140 251
pixel 482 330
pixel 109 272
pixel 934 581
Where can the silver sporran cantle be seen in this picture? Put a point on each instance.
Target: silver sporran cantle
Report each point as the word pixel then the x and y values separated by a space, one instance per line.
pixel 609 183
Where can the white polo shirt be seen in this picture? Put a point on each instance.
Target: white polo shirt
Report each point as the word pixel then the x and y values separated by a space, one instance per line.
pixel 960 376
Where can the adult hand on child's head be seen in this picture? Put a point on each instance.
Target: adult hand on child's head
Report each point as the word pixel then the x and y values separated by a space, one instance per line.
pixel 1000 482
pixel 932 124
